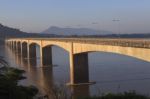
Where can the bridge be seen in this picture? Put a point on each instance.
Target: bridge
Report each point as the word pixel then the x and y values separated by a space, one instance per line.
pixel 78 49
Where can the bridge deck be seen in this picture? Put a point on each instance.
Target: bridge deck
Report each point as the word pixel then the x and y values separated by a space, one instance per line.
pixel 139 43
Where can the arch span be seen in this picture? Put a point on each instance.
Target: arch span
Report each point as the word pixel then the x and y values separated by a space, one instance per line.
pixel 23 42
pixel 139 53
pixel 51 45
pixel 34 43
pixel 47 54
pixel 64 45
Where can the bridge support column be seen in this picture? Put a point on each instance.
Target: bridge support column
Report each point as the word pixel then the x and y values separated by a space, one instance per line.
pixel 41 55
pixel 10 45
pixel 47 56
pixel 32 51
pixel 79 69
pixel 19 48
pixel 24 50
pixel 28 50
pixel 13 45
pixel 32 54
pixel 16 47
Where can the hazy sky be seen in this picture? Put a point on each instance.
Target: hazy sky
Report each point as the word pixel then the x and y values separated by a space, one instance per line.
pixel 38 15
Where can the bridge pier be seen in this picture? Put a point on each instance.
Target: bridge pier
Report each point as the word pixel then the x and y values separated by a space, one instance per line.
pixel 19 48
pixel 47 56
pixel 32 51
pixel 32 54
pixel 79 69
pixel 15 47
pixel 10 45
pixel 24 50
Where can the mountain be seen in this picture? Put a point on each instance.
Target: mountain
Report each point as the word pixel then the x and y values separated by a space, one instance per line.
pixel 74 31
pixel 8 32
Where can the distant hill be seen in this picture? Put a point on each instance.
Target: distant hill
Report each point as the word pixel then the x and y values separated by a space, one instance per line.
pixel 8 32
pixel 74 31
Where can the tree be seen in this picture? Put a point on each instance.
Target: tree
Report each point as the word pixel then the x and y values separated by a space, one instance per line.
pixel 9 88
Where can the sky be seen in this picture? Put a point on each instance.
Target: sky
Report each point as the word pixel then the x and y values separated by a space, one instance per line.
pixel 37 15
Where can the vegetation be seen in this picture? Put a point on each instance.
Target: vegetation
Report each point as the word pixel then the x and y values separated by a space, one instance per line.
pixel 59 92
pixel 9 87
pixel 125 95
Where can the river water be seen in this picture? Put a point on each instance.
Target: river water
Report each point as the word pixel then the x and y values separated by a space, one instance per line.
pixel 111 72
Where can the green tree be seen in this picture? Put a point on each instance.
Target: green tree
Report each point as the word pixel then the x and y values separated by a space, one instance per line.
pixel 9 88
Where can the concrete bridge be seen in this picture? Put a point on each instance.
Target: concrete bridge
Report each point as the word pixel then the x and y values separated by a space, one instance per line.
pixel 78 49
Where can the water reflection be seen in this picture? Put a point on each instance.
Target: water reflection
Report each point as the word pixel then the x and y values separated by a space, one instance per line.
pixel 80 91
pixel 113 73
pixel 42 77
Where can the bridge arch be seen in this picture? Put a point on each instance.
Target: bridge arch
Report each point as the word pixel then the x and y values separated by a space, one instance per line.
pixel 33 53
pixel 63 45
pixel 47 54
pixel 139 53
pixel 24 42
pixel 51 45
pixel 32 50
pixel 33 43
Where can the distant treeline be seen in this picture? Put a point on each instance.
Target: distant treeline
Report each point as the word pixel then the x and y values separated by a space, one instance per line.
pixel 146 35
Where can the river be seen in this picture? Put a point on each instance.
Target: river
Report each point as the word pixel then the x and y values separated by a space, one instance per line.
pixel 111 72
